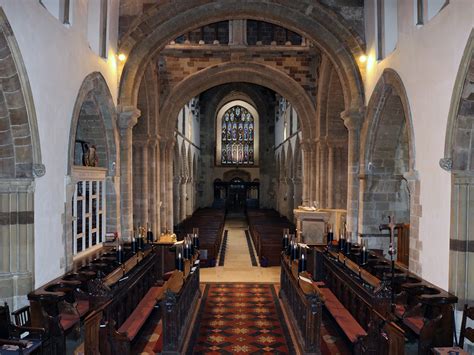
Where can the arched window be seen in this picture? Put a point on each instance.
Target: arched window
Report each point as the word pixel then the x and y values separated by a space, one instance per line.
pixel 237 134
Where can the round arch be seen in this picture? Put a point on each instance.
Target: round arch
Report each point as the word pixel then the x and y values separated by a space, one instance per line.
pixel 165 21
pixel 239 72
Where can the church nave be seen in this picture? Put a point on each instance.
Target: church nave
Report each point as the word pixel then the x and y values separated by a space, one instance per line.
pixel 237 262
pixel 306 165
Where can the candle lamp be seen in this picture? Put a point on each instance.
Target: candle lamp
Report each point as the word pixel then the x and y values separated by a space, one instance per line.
pixel 285 241
pixel 119 254
pixel 348 245
pixel 195 240
pixel 330 235
pixel 363 255
pixel 180 262
pixel 134 245
pixel 342 243
pixel 149 235
pixel 302 263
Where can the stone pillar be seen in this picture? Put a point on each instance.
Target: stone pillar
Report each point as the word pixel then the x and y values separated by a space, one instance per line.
pixel 323 167
pixel 312 174
pixel 183 198
pixel 126 121
pixel 144 181
pixel 158 187
pixel 152 200
pixel 238 32
pixel 352 121
pixel 169 183
pixel 163 196
pixel 306 174
pixel 317 174
pixel 330 175
pixel 16 241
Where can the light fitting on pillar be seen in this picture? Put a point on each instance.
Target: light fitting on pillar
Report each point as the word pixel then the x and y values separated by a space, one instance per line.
pixel 122 57
pixel 363 58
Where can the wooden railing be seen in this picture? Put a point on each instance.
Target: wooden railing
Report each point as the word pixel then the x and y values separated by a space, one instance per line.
pixel 305 311
pixel 177 313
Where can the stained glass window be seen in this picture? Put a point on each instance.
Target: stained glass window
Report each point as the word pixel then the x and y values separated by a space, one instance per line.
pixel 237 140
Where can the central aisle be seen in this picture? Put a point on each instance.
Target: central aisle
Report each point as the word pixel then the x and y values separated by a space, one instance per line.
pixel 237 260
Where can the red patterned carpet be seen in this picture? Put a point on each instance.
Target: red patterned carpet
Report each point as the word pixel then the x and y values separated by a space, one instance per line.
pixel 241 319
pixel 248 319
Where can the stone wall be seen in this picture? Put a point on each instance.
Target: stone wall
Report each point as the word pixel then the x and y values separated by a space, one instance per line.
pixel 177 63
pixel 263 100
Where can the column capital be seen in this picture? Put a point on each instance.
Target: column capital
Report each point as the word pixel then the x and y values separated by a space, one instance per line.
pixel 128 118
pixel 353 118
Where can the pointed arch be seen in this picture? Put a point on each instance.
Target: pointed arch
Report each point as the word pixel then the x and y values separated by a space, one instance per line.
pixel 388 166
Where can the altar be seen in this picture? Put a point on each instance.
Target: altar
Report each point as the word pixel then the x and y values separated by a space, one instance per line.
pixel 311 224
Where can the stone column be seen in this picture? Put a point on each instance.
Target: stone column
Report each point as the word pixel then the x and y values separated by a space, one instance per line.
pixel 330 176
pixel 17 242
pixel 306 174
pixel 323 167
pixel 352 121
pixel 183 199
pixel 317 174
pixel 169 183
pixel 238 32
pixel 126 121
pixel 163 177
pixel 152 200
pixel 312 174
pixel 144 182
pixel 158 187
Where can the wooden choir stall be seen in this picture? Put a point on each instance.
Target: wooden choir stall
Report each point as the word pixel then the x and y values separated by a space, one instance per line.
pixel 378 309
pixel 106 299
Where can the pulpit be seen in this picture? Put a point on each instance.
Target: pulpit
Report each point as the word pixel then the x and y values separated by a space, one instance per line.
pixel 311 225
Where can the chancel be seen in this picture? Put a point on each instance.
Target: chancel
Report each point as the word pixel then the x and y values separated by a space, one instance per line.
pixel 219 176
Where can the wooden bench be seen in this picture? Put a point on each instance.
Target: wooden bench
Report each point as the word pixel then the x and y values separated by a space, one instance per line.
pixel 304 307
pixel 120 340
pixel 266 229
pixel 346 322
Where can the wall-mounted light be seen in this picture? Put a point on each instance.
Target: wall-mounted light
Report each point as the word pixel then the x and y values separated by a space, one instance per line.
pixel 122 57
pixel 363 58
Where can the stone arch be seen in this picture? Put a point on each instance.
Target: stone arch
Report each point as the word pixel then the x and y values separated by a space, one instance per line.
pixel 94 94
pixel 163 22
pixel 389 183
pixel 94 120
pixel 247 72
pixel 459 160
pixel 20 164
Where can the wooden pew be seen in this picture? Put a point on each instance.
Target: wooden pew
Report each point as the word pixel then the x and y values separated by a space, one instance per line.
pixel 69 302
pixel 266 229
pixel 422 316
pixel 304 305
pixel 210 223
